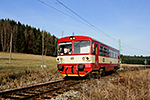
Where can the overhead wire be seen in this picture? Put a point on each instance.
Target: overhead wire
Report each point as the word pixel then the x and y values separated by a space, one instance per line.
pixel 66 14
pixel 61 12
pixel 96 27
pixel 86 20
pixel 88 23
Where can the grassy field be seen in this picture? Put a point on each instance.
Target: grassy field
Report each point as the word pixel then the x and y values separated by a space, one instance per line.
pixel 25 70
pixel 21 62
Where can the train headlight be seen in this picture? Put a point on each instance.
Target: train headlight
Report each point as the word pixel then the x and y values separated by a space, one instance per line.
pixel 86 58
pixel 83 58
pixel 60 67
pixel 81 67
pixel 59 59
pixel 71 37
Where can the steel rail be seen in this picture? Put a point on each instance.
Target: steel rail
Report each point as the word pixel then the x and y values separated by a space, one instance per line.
pixel 5 93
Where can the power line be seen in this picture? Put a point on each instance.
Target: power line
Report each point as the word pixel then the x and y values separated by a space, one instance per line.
pixel 135 48
pixel 86 20
pixel 66 14
pixel 88 23
pixel 96 27
pixel 61 12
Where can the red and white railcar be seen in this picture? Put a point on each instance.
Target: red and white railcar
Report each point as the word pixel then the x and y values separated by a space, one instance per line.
pixel 81 55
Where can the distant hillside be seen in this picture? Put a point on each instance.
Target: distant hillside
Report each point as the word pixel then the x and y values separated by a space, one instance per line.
pixel 26 39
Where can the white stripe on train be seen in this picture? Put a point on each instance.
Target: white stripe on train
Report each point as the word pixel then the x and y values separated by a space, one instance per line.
pixel 83 59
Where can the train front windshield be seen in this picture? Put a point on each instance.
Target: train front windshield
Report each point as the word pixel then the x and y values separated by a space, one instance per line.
pixel 79 47
pixel 65 48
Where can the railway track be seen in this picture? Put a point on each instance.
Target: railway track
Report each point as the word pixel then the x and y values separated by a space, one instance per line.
pixel 47 90
pixel 42 91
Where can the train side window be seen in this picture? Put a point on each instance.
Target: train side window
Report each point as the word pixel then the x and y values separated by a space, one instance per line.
pixel 112 54
pixel 100 49
pixel 93 49
pixel 108 52
pixel 117 55
pixel 105 51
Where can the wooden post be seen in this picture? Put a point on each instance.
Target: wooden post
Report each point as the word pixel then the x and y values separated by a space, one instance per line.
pixel 42 48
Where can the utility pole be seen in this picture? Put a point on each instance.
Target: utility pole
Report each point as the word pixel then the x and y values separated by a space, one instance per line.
pixel 120 53
pixel 42 48
pixel 73 34
pixel 10 47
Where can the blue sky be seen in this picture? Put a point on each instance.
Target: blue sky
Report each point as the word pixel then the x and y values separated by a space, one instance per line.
pixel 128 20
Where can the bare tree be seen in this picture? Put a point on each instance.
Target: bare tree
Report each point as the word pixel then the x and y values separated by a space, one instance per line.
pixel 8 34
pixel 15 32
pixel 2 38
pixel 4 48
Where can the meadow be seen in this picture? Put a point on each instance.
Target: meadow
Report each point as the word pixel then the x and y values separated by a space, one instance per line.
pixel 21 62
pixel 26 70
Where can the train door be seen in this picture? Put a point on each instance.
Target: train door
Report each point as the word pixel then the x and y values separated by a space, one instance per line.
pixel 95 52
pixel 96 56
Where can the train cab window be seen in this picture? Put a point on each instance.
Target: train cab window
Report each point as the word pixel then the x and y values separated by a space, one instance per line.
pixel 65 48
pixel 93 49
pixel 100 49
pixel 81 47
pixel 105 51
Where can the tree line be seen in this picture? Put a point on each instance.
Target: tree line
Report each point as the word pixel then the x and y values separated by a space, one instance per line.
pixel 25 39
pixel 135 59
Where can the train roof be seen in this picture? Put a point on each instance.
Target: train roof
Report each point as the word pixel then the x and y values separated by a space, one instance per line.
pixel 104 44
pixel 86 37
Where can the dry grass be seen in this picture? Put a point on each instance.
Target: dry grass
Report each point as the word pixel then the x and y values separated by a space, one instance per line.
pixel 124 86
pixel 134 65
pixel 25 70
pixel 21 60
